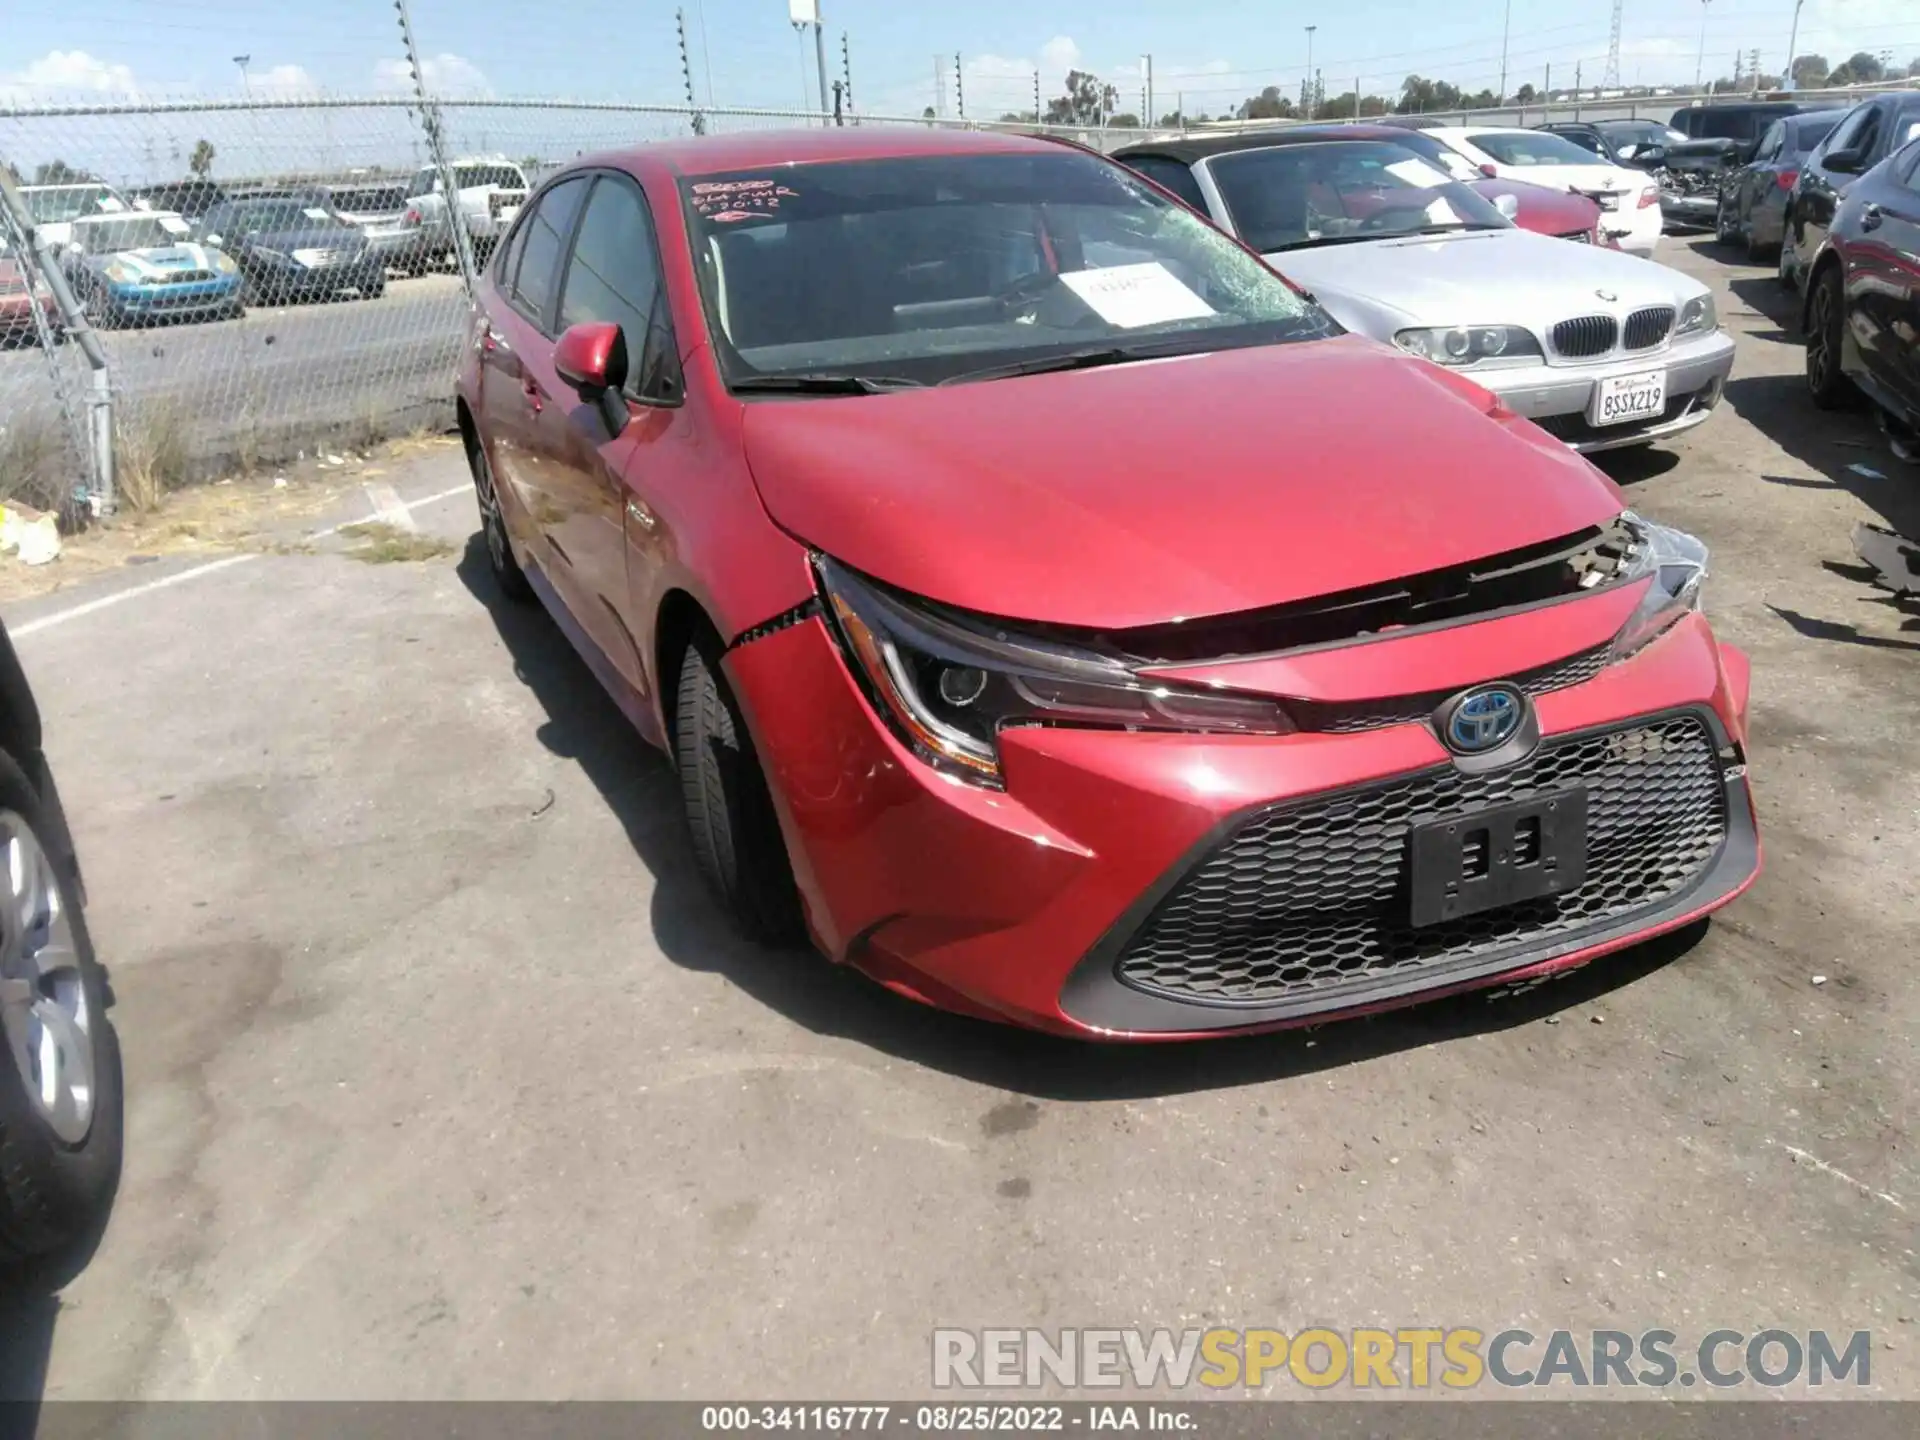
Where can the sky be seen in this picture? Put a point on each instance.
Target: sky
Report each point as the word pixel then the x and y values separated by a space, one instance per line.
pixel 1210 54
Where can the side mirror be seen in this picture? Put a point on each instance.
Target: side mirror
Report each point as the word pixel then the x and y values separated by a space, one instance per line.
pixel 1490 170
pixel 592 358
pixel 1507 205
pixel 1844 162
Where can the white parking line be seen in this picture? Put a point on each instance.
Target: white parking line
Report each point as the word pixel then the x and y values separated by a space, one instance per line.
pixel 107 602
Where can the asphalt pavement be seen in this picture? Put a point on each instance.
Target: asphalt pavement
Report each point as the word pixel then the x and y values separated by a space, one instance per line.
pixel 446 1080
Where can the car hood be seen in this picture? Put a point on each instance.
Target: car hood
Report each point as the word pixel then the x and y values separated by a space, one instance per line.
pixel 287 241
pixel 1553 212
pixel 1142 493
pixel 158 260
pixel 1486 277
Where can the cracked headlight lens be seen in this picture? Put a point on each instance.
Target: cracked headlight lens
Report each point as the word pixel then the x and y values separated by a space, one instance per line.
pixel 1469 344
pixel 947 685
pixel 1677 563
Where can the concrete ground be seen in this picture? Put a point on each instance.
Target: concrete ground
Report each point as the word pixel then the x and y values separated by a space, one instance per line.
pixel 445 1080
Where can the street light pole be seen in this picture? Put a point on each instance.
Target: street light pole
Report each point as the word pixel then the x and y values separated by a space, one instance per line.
pixel 1310 94
pixel 1793 39
pixel 1506 28
pixel 1700 65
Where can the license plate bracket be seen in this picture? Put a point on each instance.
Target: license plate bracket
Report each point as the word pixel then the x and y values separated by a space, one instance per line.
pixel 1501 855
pixel 1621 399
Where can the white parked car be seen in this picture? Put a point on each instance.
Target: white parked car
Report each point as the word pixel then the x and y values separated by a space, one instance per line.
pixel 1629 199
pixel 1598 348
pixel 491 191
pixel 54 208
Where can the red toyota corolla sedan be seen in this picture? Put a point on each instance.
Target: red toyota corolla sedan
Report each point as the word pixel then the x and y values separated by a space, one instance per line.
pixel 1053 614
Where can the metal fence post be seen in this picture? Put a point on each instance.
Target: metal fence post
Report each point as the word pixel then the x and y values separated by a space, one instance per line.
pixel 101 495
pixel 436 142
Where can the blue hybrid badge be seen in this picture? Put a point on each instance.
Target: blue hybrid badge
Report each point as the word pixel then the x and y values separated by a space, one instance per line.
pixel 1484 719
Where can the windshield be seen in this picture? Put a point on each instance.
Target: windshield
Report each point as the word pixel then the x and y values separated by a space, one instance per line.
pixel 280 216
pixel 475 177
pixel 145 232
pixel 69 202
pixel 932 268
pixel 1299 195
pixel 1530 147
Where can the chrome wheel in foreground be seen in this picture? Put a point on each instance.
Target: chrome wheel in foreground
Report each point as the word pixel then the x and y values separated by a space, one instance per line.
pixel 47 1018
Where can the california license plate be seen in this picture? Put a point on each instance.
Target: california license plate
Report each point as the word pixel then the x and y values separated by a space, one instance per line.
pixel 1621 398
pixel 1609 202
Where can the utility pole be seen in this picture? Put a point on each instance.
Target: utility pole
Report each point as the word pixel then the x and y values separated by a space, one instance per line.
pixel 804 13
pixel 1793 39
pixel 939 87
pixel 846 71
pixel 706 51
pixel 1753 67
pixel 1506 26
pixel 1310 30
pixel 1038 113
pixel 686 74
pixel 959 88
pixel 437 148
pixel 1700 65
pixel 1611 80
pixel 1576 88
pixel 1146 62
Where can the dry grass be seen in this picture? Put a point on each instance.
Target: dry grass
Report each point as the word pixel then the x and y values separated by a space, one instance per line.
pixel 384 544
pixel 154 455
pixel 38 464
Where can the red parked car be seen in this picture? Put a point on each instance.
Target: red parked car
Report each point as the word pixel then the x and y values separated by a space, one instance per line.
pixel 1052 613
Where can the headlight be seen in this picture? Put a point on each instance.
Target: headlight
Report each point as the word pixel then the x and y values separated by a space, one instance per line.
pixel 947 686
pixel 1469 344
pixel 223 262
pixel 1677 563
pixel 1698 317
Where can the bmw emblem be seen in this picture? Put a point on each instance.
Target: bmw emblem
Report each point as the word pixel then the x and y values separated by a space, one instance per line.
pixel 1607 295
pixel 1482 719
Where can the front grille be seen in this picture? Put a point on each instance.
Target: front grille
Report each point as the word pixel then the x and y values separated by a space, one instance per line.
pixel 1311 898
pixel 1352 717
pixel 183 277
pixel 1585 337
pixel 1648 328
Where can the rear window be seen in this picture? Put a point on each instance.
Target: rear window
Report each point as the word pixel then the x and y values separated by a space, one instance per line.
pixel 1731 124
pixel 475 177
pixel 362 198
pixel 1529 147
pixel 1811 131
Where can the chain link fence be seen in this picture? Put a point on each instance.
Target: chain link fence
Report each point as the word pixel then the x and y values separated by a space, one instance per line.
pixel 271 279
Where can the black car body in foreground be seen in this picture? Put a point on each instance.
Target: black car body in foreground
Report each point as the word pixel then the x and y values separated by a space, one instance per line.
pixel 61 1109
pixel 1866 135
pixel 1753 199
pixel 294 249
pixel 1862 309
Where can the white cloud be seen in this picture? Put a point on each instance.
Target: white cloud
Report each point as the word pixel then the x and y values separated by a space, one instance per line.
pixel 1057 57
pixel 283 80
pixel 444 75
pixel 65 72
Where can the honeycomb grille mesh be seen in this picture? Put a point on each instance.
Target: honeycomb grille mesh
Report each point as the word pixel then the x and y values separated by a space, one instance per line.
pixel 1350 718
pixel 1310 899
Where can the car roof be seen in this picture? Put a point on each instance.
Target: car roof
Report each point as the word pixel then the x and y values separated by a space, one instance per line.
pixel 758 149
pixel 1192 148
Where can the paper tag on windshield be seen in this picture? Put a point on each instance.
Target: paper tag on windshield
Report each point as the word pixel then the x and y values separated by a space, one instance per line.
pixel 1129 296
pixel 1416 172
pixel 317 214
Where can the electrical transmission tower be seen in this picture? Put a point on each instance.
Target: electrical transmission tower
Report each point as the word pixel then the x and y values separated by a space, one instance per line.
pixel 1612 80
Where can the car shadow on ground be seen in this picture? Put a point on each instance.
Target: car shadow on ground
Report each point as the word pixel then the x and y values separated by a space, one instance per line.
pixel 29 1312
pixel 581 723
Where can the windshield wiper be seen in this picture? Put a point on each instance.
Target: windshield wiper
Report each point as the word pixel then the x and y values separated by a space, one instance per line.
pixel 822 384
pixel 1072 360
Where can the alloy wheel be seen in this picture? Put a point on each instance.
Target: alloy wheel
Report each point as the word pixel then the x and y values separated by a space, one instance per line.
pixel 1819 331
pixel 490 522
pixel 47 1017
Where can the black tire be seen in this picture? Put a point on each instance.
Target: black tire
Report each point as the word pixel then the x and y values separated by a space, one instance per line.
pixel 1785 272
pixel 493 528
pixel 736 835
pixel 53 1192
pixel 1826 318
pixel 1724 232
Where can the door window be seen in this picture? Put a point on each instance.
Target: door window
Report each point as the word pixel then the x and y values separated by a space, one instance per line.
pixel 614 276
pixel 1848 132
pixel 1771 142
pixel 548 229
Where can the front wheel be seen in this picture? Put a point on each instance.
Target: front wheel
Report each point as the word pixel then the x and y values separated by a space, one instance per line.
pixel 1826 319
pixel 736 835
pixel 1787 272
pixel 493 528
pixel 60 1085
pixel 1723 226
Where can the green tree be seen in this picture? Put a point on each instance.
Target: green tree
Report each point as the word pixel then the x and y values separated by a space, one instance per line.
pixel 1126 120
pixel 201 161
pixel 1858 68
pixel 1086 101
pixel 1810 71
pixel 1525 95
pixel 58 172
pixel 1418 95
pixel 1269 104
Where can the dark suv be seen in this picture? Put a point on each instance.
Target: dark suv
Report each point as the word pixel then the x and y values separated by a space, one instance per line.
pixel 1743 122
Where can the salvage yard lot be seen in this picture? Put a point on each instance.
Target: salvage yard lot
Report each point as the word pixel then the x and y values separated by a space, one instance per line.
pixel 445 1080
